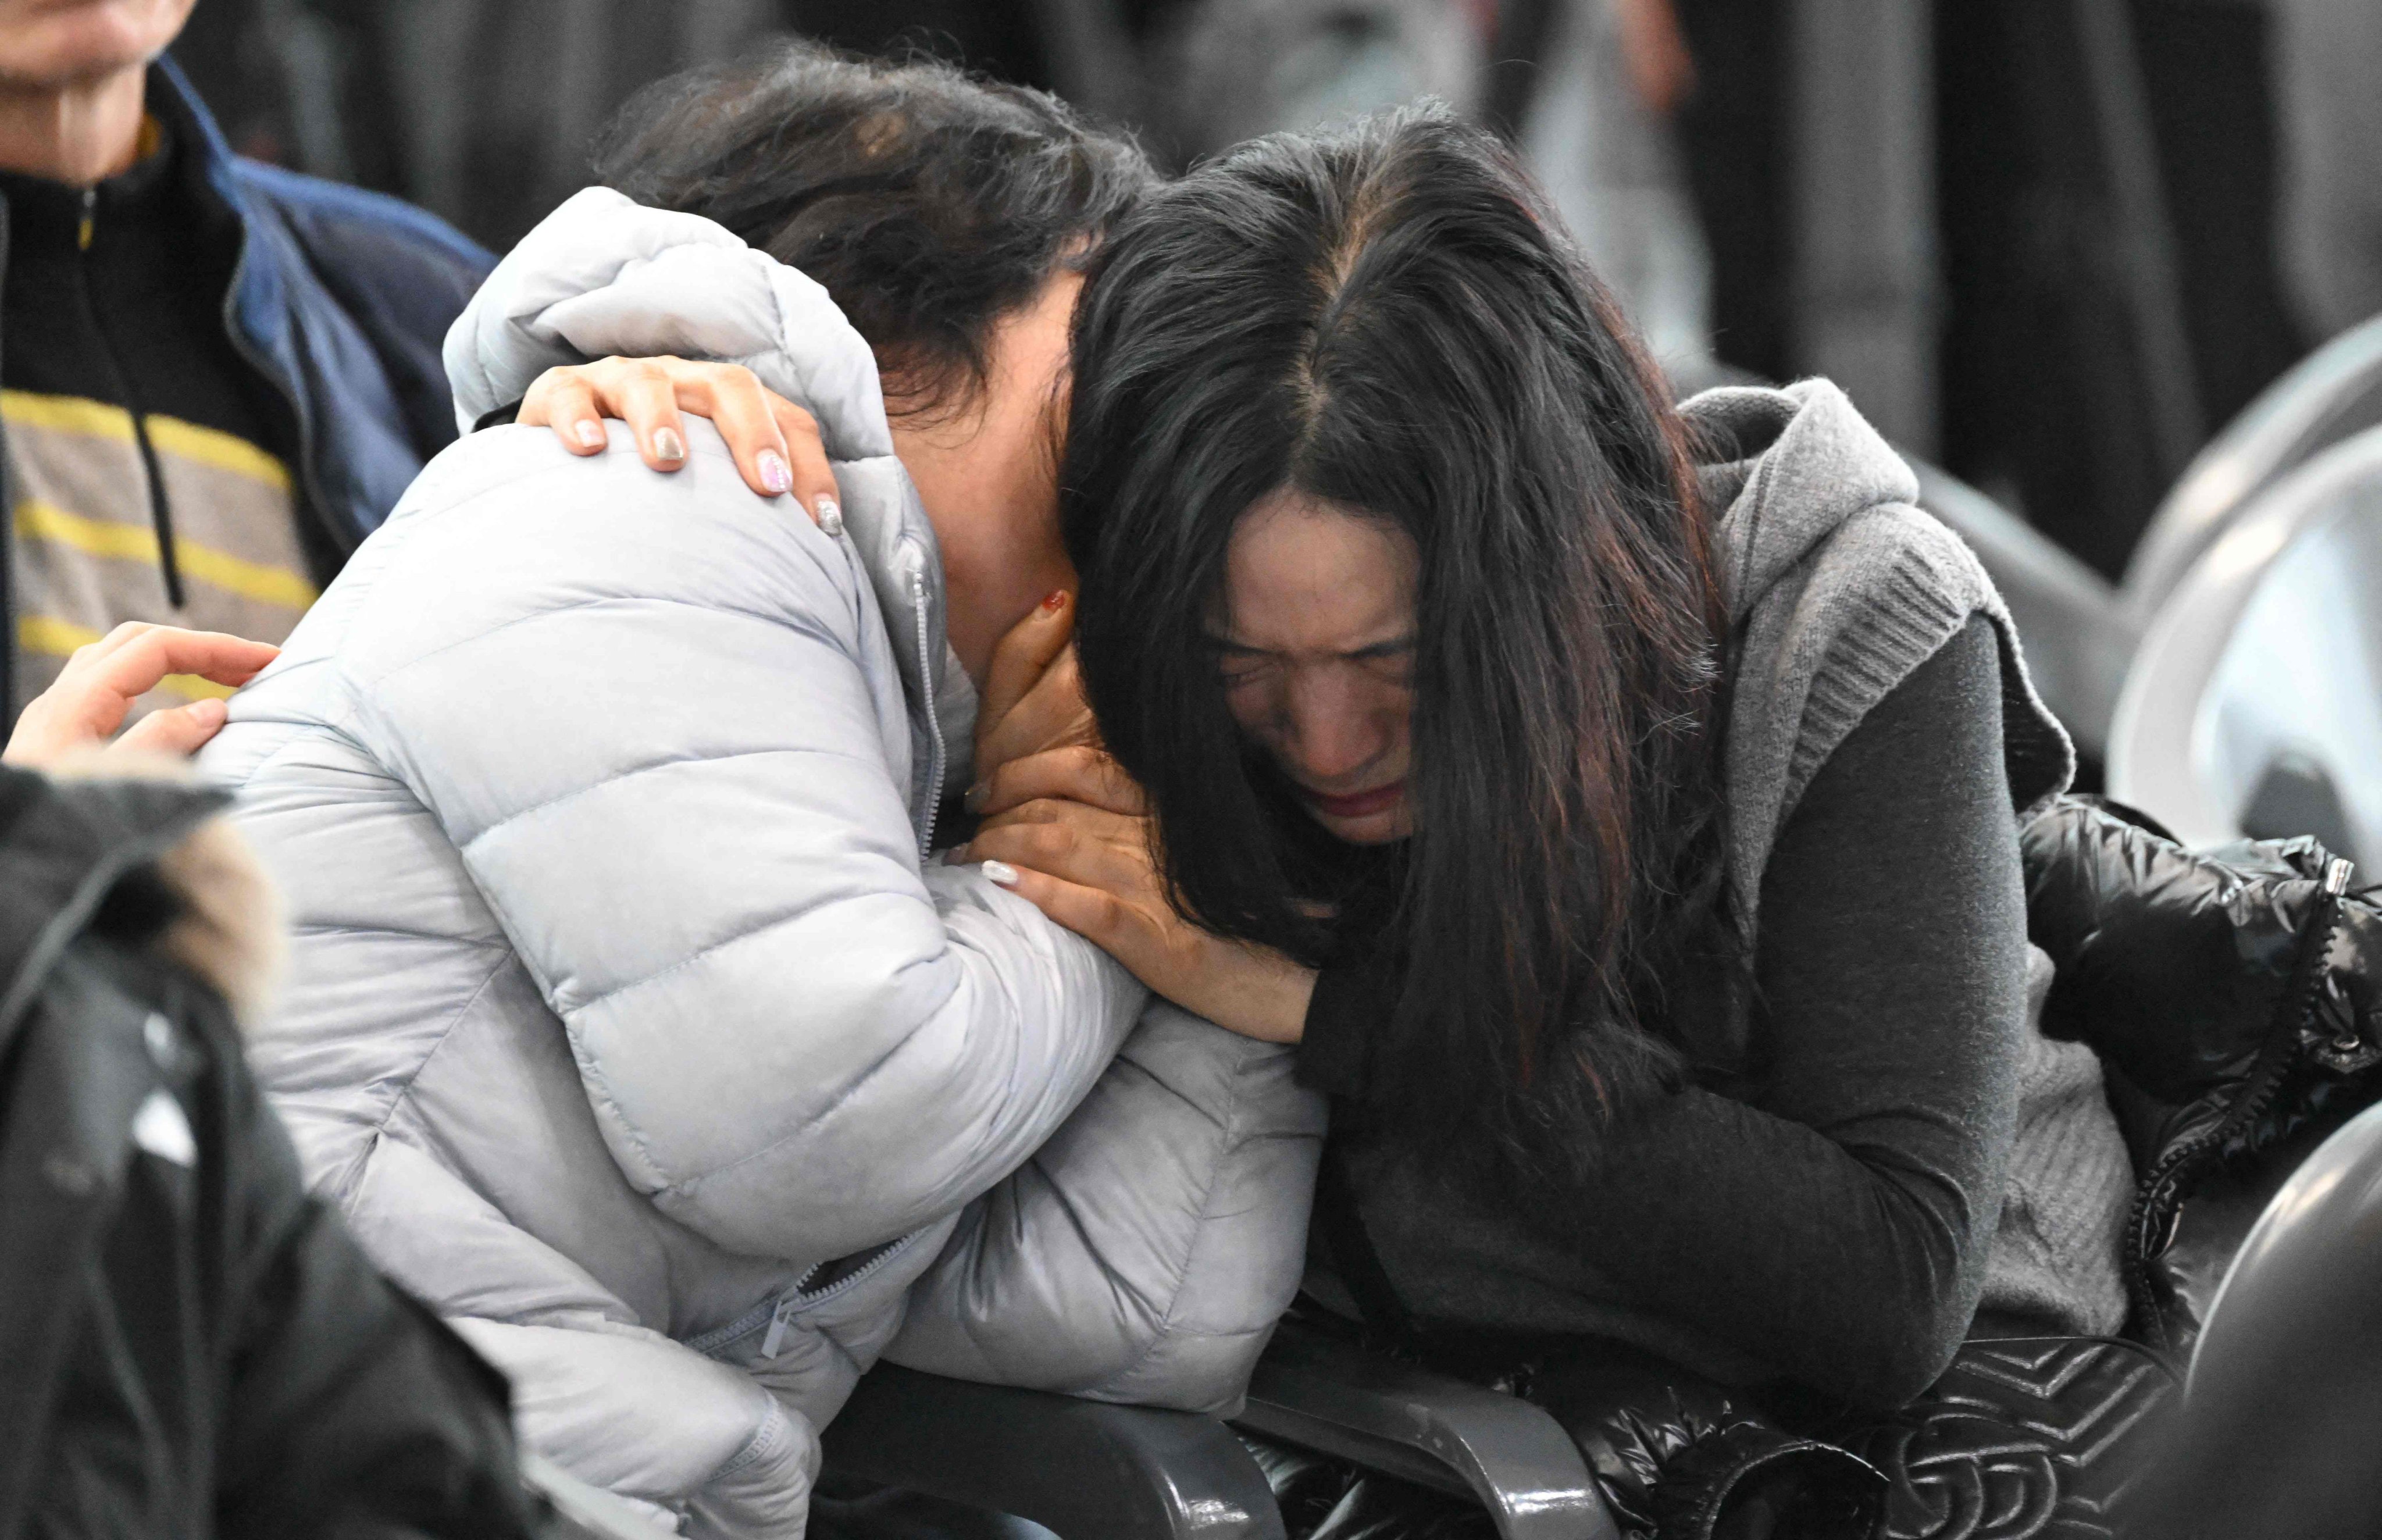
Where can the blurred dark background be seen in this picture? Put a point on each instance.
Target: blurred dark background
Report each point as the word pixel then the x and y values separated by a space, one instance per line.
pixel 2044 241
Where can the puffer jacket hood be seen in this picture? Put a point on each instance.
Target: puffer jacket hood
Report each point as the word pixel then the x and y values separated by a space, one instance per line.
pixel 628 1022
pixel 603 275
pixel 1837 586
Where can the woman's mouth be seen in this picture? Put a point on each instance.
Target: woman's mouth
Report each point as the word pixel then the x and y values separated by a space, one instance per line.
pixel 1356 805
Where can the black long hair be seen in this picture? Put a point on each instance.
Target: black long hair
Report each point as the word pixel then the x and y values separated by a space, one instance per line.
pixel 1391 318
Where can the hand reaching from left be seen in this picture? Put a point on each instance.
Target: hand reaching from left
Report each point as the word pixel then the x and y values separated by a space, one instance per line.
pixel 1068 830
pixel 95 691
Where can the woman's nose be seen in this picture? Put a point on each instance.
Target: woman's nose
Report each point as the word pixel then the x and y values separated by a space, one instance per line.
pixel 1334 734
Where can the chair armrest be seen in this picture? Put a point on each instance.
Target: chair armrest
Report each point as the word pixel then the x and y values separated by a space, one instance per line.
pixel 1087 1470
pixel 1505 1454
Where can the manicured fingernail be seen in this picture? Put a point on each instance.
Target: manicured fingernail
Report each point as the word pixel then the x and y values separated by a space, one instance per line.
pixel 669 446
pixel 590 433
pixel 774 474
pixel 1000 874
pixel 830 517
pixel 976 797
pixel 1055 600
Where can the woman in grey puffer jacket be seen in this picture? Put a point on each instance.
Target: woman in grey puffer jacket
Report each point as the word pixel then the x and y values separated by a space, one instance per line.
pixel 631 1025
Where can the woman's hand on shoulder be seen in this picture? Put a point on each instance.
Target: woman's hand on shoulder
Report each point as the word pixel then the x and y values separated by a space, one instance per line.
pixel 776 443
pixel 94 692
pixel 1069 831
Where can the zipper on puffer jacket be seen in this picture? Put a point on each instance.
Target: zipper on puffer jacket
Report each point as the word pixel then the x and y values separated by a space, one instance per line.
pixel 2158 1201
pixel 917 563
pixel 801 1295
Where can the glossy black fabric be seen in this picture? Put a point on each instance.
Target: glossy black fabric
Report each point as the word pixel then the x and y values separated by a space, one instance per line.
pixel 2232 998
pixel 192 1346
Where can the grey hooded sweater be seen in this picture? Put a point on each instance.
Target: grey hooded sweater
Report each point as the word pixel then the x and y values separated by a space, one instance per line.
pixel 1906 1148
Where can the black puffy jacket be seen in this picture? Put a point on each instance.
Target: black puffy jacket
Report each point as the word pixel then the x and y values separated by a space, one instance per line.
pixel 189 1345
pixel 2235 999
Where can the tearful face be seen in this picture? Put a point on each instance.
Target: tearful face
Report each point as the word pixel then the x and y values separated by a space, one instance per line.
pixel 1314 640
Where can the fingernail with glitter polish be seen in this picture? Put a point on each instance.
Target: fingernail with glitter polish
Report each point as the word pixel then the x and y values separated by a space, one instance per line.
pixel 830 517
pixel 774 474
pixel 1000 874
pixel 590 432
pixel 669 446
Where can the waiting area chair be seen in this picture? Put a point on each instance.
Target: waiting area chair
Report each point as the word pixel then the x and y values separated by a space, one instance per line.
pixel 2254 707
pixel 1092 1472
pixel 2334 394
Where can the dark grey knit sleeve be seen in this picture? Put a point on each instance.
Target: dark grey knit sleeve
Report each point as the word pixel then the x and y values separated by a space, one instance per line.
pixel 1837 1224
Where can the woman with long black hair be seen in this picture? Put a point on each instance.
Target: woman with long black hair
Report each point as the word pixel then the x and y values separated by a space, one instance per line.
pixel 1616 804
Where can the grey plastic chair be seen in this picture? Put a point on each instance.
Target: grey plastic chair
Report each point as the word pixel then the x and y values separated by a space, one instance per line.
pixel 1092 1472
pixel 2255 704
pixel 2275 1435
pixel 1511 1457
pixel 2333 394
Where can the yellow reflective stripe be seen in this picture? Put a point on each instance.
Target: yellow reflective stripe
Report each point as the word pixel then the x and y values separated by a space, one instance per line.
pixel 225 452
pixel 67 414
pixel 60 639
pixel 189 686
pixel 248 579
pixel 41 520
pixel 53 638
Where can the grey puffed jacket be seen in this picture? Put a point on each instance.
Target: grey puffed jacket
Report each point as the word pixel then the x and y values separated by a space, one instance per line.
pixel 631 1024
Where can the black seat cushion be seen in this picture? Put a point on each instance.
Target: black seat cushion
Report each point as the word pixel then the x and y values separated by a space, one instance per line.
pixel 2023 1437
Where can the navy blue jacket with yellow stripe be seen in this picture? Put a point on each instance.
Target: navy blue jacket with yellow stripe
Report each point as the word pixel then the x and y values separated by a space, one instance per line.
pixel 342 300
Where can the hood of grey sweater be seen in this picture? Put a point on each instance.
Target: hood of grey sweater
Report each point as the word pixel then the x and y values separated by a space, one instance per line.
pixel 1787 468
pixel 1837 585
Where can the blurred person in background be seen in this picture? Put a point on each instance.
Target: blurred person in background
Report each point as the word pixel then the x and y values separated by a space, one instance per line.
pixel 1585 89
pixel 481 111
pixel 2327 74
pixel 216 377
pixel 1597 132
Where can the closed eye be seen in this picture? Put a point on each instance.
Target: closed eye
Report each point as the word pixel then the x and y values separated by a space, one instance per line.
pixel 1243 666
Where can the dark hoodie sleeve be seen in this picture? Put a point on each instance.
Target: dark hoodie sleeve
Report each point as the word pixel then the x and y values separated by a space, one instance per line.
pixel 1835 1224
